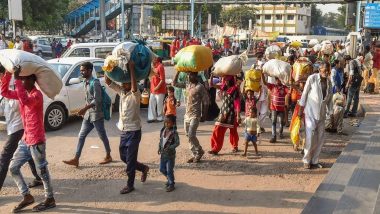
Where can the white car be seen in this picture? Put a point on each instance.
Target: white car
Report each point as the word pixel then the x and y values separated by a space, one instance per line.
pixel 72 96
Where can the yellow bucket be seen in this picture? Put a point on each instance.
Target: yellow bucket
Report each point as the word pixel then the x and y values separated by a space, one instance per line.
pixel 145 98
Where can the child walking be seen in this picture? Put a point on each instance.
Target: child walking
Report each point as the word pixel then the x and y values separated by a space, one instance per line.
pixel 169 141
pixel 277 106
pixel 250 130
pixel 170 104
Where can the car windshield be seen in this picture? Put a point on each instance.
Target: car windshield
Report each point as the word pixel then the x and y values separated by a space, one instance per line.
pixel 62 69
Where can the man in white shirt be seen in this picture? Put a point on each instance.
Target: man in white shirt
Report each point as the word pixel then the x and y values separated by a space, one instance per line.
pixel 15 131
pixel 3 42
pixel 316 102
pixel 130 126
pixel 19 45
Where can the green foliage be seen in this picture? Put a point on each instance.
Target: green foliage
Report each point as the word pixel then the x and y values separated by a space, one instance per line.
pixel 238 17
pixel 316 16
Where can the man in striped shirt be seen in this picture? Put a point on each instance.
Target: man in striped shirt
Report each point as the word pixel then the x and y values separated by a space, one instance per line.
pixel 277 105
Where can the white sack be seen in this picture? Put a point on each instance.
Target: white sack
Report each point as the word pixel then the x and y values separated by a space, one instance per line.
pixel 48 80
pixel 231 65
pixel 279 69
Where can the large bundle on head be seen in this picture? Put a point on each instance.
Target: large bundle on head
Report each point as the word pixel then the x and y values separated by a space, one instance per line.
pixel 302 69
pixel 252 80
pixel 230 65
pixel 317 47
pixel 296 44
pixel 115 65
pixel 193 58
pixel 279 69
pixel 327 47
pixel 273 52
pixel 313 42
pixel 48 80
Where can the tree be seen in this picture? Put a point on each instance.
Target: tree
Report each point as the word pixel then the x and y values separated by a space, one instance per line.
pixel 341 20
pixel 316 16
pixel 238 17
pixel 330 19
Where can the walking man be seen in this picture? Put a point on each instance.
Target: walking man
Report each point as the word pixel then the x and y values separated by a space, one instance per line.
pixel 316 101
pixel 15 130
pixel 92 115
pixel 197 96
pixel 353 84
pixel 33 145
pixel 130 126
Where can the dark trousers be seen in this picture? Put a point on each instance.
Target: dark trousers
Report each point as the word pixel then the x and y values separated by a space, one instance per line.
pixel 6 155
pixel 353 95
pixel 274 115
pixel 129 148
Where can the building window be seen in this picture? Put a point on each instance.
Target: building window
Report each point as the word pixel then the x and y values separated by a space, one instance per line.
pixel 278 17
pixel 268 17
pixel 258 17
pixel 290 17
pixel 299 17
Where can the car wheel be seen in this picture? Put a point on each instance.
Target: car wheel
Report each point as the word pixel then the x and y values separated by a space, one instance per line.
pixel 116 104
pixel 55 117
pixel 39 53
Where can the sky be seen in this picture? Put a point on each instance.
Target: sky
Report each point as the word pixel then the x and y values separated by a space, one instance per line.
pixel 328 8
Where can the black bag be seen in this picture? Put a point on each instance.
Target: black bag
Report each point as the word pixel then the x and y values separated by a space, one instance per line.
pixel 357 77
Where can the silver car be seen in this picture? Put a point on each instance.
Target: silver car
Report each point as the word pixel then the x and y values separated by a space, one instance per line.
pixel 41 47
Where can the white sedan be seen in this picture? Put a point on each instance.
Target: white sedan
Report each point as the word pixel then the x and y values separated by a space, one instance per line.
pixel 72 96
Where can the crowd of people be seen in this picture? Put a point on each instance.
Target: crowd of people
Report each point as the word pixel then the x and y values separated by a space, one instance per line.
pixel 316 100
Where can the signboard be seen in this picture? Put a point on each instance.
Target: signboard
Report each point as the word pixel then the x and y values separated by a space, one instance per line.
pixel 15 10
pixel 372 16
pixel 176 19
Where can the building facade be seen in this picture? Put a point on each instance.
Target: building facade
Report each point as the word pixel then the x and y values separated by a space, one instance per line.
pixel 285 19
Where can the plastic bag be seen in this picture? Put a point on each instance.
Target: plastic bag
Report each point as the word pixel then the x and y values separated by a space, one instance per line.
pixel 302 69
pixel 193 58
pixel 253 80
pixel 231 65
pixel 295 131
pixel 296 44
pixel 48 80
pixel 279 69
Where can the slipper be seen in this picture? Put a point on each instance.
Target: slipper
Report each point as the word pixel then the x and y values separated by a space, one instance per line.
pixel 43 206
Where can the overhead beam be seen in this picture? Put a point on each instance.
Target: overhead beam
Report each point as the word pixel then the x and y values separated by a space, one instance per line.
pixel 151 2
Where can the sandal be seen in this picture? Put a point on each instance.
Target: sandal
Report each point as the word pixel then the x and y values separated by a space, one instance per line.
pixel 47 204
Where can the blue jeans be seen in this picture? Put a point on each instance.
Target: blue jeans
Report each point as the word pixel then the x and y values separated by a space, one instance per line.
pixel 23 154
pixel 167 169
pixel 129 148
pixel 86 128
pixel 281 115
pixel 353 94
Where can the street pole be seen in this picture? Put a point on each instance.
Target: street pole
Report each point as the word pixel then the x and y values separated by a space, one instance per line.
pixel 102 12
pixel 122 21
pixel 358 5
pixel 141 20
pixel 14 28
pixel 192 18
pixel 200 21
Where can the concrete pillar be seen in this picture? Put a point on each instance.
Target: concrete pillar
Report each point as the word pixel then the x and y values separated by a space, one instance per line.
pixel 102 13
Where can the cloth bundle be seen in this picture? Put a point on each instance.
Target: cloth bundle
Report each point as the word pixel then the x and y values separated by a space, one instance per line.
pixel 252 80
pixel 193 58
pixel 302 69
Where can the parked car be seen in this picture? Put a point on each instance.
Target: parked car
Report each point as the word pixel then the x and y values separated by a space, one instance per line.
pixel 42 47
pixel 97 50
pixel 72 96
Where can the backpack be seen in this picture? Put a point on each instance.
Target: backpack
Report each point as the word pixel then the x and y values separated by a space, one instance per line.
pixel 357 77
pixel 106 100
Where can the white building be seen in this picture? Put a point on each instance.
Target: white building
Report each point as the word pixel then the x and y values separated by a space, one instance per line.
pixel 285 19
